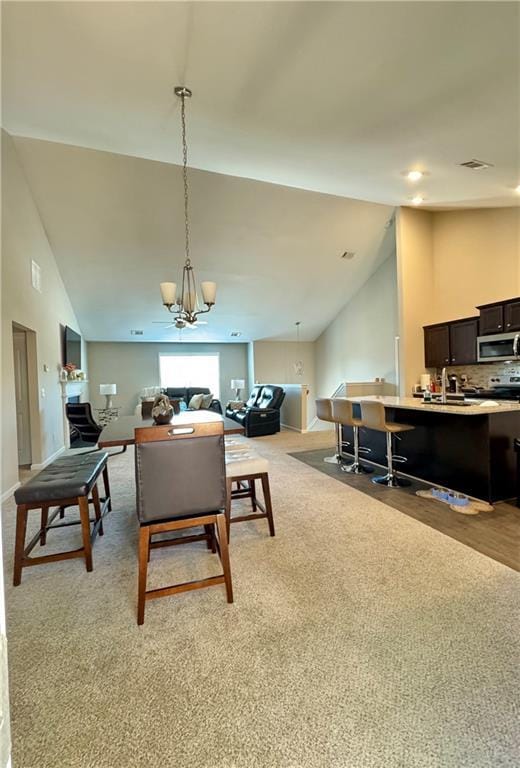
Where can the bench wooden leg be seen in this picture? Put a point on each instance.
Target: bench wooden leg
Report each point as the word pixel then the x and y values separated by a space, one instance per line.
pixel 210 531
pixel 224 554
pixel 107 487
pixel 21 526
pixel 268 505
pixel 85 530
pixel 144 554
pixel 97 508
pixel 252 486
pixel 43 525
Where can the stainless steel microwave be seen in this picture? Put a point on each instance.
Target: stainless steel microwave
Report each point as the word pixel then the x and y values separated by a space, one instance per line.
pixel 498 347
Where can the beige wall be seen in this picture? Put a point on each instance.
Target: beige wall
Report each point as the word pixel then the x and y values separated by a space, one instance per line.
pixel 476 257
pixel 448 263
pixel 23 239
pixel 134 365
pixel 414 241
pixel 359 344
pixel 273 363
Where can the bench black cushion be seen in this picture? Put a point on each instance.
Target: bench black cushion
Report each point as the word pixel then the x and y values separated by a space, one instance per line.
pixel 65 478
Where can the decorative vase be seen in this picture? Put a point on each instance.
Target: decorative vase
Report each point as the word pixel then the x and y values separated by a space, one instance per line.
pixel 162 410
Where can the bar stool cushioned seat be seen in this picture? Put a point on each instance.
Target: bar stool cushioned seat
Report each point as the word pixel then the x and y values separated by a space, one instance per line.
pixel 373 414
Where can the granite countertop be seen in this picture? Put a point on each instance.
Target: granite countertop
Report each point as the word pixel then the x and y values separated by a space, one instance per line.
pixel 412 403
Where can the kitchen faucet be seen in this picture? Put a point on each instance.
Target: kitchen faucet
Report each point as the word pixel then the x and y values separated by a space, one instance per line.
pixel 444 381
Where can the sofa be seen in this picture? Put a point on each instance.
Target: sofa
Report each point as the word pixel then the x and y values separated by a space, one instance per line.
pixel 175 394
pixel 261 414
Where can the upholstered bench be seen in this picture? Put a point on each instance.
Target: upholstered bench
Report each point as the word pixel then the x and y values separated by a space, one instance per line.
pixel 66 482
pixel 244 467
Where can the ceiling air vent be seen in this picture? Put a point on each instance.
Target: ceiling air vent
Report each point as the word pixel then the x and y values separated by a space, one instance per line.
pixel 235 334
pixel 476 165
pixel 348 255
pixel 136 333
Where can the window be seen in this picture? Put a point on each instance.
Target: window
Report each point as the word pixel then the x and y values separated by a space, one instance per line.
pixel 190 371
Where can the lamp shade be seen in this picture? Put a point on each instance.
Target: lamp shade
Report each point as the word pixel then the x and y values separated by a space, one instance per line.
pixel 108 389
pixel 169 293
pixel 238 383
pixel 209 292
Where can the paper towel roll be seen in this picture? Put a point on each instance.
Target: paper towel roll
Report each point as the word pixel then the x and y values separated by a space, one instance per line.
pixel 425 380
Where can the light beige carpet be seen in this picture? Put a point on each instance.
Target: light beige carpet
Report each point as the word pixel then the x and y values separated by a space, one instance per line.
pixel 359 638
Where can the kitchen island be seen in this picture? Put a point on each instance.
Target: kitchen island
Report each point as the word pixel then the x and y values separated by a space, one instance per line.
pixel 466 447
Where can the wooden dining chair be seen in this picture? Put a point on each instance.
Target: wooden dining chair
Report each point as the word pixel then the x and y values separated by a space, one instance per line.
pixel 181 483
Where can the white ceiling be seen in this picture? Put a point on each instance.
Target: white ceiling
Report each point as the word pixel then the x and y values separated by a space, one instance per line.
pixel 115 225
pixel 334 97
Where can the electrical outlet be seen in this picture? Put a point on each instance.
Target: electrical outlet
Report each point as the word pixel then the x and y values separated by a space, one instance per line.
pixel 43 391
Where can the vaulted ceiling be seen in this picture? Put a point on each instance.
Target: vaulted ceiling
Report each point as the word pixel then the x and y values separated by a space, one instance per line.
pixel 330 97
pixel 337 97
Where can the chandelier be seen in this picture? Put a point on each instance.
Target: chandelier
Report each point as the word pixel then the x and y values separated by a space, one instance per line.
pixel 185 305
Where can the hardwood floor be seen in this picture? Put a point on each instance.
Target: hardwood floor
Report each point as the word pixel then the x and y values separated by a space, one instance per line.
pixel 495 534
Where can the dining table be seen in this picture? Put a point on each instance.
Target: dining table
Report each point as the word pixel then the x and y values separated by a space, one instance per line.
pixel 121 432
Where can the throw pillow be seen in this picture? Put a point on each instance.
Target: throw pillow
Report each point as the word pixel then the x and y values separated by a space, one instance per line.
pixel 195 402
pixel 206 400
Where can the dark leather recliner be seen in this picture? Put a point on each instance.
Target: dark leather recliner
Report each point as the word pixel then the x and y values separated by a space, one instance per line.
pixel 261 414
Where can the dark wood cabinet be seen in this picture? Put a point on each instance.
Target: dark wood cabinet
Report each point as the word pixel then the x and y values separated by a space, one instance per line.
pixel 491 319
pixel 463 341
pixel 512 316
pixel 436 345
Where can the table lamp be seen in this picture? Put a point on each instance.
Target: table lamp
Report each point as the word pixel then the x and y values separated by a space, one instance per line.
pixel 108 390
pixel 237 385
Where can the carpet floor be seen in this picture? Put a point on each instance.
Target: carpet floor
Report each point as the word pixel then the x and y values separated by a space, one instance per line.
pixel 359 638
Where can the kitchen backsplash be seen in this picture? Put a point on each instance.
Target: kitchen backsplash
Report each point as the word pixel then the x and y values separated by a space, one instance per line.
pixel 478 375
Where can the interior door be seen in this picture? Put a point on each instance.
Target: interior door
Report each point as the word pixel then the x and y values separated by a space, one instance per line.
pixel 23 424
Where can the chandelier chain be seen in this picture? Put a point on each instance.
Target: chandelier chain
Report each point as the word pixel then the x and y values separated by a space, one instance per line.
pixel 185 180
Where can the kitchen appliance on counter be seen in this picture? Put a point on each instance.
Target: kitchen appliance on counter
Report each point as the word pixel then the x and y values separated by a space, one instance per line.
pixel 499 347
pixel 503 387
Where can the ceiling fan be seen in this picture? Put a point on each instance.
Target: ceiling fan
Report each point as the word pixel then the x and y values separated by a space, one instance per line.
pixel 180 324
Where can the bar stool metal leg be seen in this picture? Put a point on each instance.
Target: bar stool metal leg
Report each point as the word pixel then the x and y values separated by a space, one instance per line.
pixel 336 459
pixel 390 479
pixel 356 468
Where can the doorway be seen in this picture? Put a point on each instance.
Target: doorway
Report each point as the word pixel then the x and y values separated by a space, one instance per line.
pixel 21 381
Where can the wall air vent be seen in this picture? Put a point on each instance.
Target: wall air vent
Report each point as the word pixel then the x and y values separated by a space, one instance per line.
pixel 476 165
pixel 136 333
pixel 348 255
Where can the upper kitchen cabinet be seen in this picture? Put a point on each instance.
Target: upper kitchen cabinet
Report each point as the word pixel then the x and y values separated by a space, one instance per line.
pixel 463 341
pixel 436 345
pixel 491 319
pixel 512 315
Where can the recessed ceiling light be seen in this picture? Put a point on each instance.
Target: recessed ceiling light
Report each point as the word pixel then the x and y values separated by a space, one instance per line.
pixel 414 175
pixel 234 334
pixel 348 255
pixel 417 200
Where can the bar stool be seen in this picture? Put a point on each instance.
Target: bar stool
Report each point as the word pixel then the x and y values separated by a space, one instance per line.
pixel 373 416
pixel 324 413
pixel 342 413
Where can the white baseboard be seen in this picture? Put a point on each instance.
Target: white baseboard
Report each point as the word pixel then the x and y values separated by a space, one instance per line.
pixel 293 429
pixel 10 491
pixel 49 459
